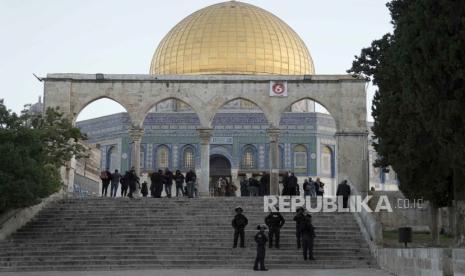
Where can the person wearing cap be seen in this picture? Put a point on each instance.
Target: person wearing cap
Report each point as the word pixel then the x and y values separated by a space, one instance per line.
pixel 261 240
pixel 274 221
pixel 239 223
pixel 299 219
pixel 308 235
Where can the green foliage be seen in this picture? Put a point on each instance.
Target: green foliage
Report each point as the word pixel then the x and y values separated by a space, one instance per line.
pixel 418 107
pixel 32 150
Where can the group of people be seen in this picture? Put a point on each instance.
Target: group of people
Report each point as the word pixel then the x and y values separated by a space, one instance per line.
pixel 253 187
pixel 129 181
pixel 313 188
pixel 165 179
pixel 159 180
pixel 305 233
pixel 224 188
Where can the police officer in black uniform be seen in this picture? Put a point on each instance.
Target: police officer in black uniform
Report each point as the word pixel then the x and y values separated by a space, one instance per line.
pixel 260 239
pixel 308 234
pixel 299 219
pixel 239 223
pixel 274 221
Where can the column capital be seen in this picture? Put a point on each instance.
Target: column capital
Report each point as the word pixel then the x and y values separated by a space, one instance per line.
pixel 205 133
pixel 273 133
pixel 136 133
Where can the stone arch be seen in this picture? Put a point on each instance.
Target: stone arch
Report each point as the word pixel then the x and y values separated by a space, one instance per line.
pixel 215 107
pixel 78 107
pixel 196 107
pixel 288 104
pixel 220 150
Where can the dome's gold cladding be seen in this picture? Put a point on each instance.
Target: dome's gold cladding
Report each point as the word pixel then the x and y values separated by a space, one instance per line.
pixel 232 38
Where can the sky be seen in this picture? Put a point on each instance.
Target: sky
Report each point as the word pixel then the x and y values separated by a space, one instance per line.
pixel 120 37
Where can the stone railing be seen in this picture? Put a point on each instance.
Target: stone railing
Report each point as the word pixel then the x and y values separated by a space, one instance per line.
pixel 371 228
pixel 15 219
pixel 422 261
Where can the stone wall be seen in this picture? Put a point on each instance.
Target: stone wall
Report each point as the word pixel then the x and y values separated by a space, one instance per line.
pixel 15 219
pixel 422 261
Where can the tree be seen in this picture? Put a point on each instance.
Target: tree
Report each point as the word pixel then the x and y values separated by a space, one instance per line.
pixel 419 121
pixel 32 150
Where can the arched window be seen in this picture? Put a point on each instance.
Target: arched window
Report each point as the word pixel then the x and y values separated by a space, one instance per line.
pixel 248 158
pixel 326 161
pixel 163 157
pixel 188 158
pixel 300 158
pixel 111 158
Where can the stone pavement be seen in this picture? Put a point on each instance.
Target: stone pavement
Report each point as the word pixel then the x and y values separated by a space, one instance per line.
pixel 208 272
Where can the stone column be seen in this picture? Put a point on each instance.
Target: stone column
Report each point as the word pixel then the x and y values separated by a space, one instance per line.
pixel 273 135
pixel 204 180
pixel 352 159
pixel 136 137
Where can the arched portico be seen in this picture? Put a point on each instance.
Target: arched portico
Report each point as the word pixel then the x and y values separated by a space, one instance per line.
pixel 342 95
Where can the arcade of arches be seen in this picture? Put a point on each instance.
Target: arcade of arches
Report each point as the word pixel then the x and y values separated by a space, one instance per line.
pixel 240 98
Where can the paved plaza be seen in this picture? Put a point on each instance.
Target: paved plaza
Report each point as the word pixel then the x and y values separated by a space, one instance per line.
pixel 208 272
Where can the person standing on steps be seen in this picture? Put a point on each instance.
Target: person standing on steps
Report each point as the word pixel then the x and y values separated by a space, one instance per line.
pixel 343 189
pixel 115 178
pixel 179 180
pixel 260 239
pixel 105 176
pixel 133 181
pixel 299 219
pixel 308 236
pixel 124 184
pixel 191 178
pixel 320 186
pixel 239 223
pixel 274 221
pixel 144 190
pixel 157 184
pixel 168 182
pixel 265 183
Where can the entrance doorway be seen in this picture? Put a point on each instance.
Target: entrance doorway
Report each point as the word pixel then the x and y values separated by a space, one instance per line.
pixel 220 167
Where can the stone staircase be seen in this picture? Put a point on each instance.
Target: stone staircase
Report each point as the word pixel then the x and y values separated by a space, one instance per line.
pixel 147 233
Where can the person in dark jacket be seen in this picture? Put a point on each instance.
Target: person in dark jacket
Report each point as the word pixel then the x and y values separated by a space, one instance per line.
pixel 230 189
pixel 244 187
pixel 115 179
pixel 105 176
pixel 320 186
pixel 157 184
pixel 343 189
pixel 260 239
pixel 124 184
pixel 264 184
pixel 254 185
pixel 168 182
pixel 239 223
pixel 274 221
pixel 299 219
pixel 191 178
pixel 144 190
pixel 308 235
pixel 292 184
pixel 179 180
pixel 133 181
pixel 317 188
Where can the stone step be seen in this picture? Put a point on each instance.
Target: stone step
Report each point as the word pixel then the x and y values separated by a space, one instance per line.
pixel 106 234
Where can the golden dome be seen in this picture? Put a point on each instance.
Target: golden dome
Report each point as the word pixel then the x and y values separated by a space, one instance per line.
pixel 232 38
